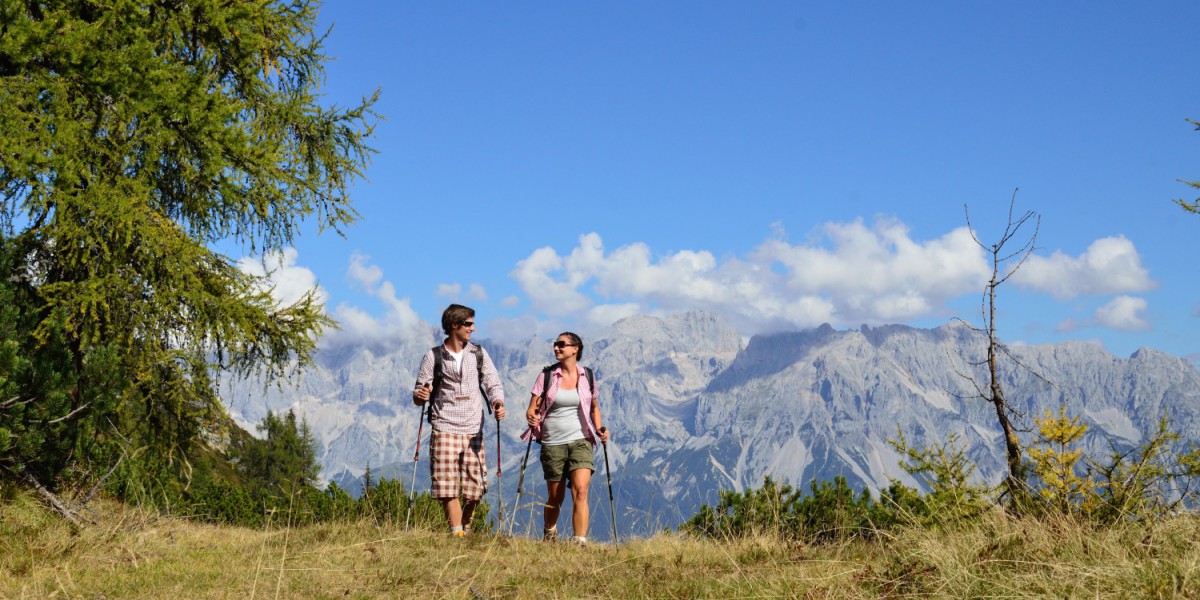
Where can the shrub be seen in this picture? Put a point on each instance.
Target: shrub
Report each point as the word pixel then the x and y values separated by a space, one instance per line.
pixel 944 469
pixel 832 511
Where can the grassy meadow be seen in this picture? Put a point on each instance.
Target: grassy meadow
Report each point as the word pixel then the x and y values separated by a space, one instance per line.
pixel 134 553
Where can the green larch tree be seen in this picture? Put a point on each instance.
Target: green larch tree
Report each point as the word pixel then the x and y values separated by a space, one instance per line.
pixel 137 136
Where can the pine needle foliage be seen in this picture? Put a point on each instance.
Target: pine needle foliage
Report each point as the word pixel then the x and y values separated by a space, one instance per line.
pixel 285 460
pixel 1147 482
pixel 41 427
pixel 946 471
pixel 830 512
pixel 135 136
pixel 1056 463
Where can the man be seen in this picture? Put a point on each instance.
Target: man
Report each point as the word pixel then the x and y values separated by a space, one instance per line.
pixel 457 461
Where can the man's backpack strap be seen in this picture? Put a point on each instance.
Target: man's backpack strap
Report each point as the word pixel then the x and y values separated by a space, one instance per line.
pixel 437 369
pixel 478 350
pixel 437 381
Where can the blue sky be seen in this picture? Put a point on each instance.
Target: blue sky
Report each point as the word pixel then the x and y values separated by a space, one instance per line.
pixel 561 165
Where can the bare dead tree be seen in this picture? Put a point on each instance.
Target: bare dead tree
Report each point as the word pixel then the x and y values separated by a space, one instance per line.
pixel 1004 265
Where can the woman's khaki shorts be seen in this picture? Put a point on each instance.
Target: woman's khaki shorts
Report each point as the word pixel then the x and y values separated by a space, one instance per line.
pixel 561 459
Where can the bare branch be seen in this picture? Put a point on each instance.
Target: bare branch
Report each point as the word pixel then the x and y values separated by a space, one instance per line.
pixel 14 401
pixel 100 482
pixel 68 415
pixel 971 228
pixel 62 509
pixel 969 325
pixel 1028 369
pixel 979 393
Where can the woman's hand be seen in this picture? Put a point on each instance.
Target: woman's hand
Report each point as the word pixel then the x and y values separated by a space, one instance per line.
pixel 531 416
pixel 603 435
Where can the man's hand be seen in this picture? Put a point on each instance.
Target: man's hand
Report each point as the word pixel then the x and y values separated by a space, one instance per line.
pixel 499 408
pixel 421 394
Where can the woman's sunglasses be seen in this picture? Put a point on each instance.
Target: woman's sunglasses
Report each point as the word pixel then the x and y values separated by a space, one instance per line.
pixel 561 344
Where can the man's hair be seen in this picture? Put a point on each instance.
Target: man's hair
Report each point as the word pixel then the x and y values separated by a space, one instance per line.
pixel 575 339
pixel 455 314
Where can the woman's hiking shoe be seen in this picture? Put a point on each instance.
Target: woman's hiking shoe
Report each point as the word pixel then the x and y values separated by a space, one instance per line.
pixel 550 535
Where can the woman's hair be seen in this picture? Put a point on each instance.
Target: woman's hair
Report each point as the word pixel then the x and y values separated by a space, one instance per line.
pixel 575 339
pixel 454 315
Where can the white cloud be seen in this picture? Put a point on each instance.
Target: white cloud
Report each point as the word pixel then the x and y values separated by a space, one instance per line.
pixel 522 329
pixel 603 315
pixel 844 274
pixel 448 290
pixel 362 273
pixel 454 291
pixel 866 264
pixel 399 322
pixel 860 274
pixel 288 283
pixel 1110 266
pixel 1123 313
pixel 1069 325
pixel 476 292
pixel 545 293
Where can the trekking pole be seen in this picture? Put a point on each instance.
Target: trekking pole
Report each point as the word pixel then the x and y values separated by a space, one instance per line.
pixel 412 487
pixel 499 482
pixel 520 482
pixel 608 474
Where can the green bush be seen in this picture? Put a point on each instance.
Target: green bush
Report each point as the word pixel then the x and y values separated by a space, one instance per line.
pixel 944 469
pixel 830 512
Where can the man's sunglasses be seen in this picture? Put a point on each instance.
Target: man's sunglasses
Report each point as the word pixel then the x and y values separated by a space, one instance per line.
pixel 467 323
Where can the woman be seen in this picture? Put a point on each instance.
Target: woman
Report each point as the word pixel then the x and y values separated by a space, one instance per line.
pixel 564 417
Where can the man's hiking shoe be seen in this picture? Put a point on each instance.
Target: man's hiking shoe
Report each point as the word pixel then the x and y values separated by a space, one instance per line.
pixel 458 534
pixel 550 535
pixel 581 541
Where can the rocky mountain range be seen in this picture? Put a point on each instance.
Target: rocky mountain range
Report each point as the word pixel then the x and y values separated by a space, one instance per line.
pixel 695 409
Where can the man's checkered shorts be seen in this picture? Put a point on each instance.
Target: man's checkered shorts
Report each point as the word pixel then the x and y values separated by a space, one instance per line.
pixel 458 460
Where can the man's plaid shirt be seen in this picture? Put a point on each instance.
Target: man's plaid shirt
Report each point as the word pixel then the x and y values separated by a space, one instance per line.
pixel 458 403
